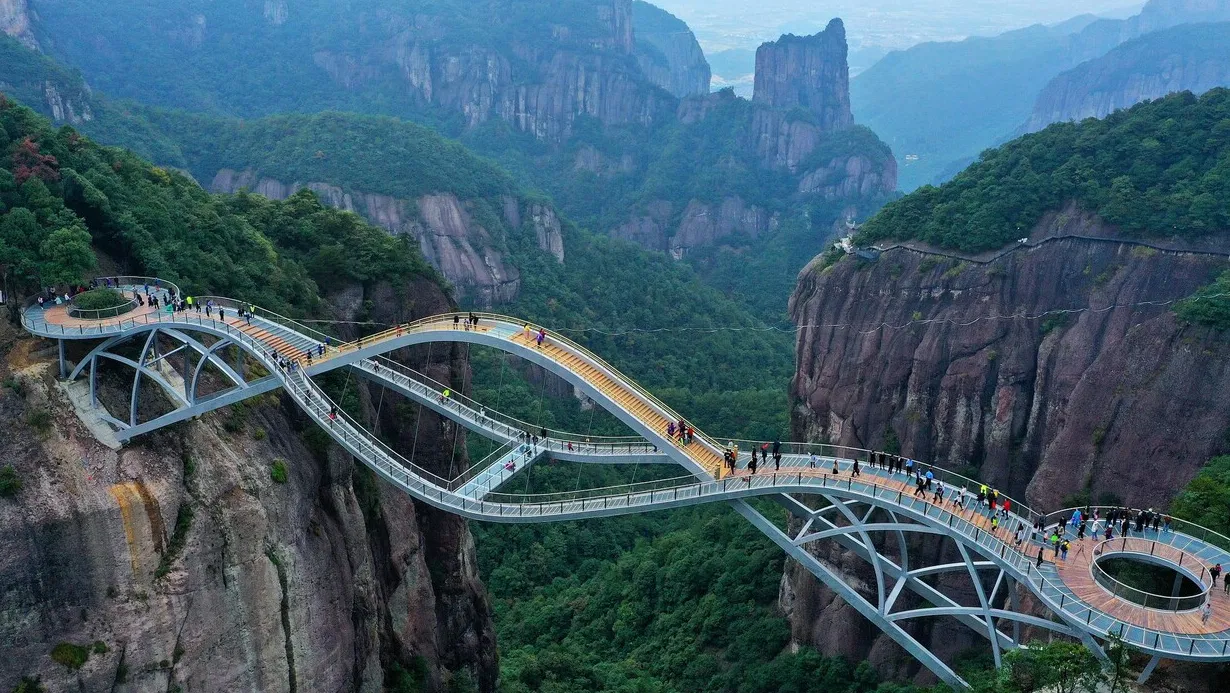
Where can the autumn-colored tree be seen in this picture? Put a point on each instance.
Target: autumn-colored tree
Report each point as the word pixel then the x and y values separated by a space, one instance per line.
pixel 29 162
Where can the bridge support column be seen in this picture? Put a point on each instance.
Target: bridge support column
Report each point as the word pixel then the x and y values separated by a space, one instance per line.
pixel 63 364
pixel 1148 670
pixel 94 381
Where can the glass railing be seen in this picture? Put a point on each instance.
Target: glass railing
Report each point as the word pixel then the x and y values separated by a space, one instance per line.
pixel 1149 600
pixel 799 477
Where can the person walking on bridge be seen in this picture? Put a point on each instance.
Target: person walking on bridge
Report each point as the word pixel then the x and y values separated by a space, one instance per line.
pixel 1215 572
pixel 853 470
pixel 456 320
pixel 542 336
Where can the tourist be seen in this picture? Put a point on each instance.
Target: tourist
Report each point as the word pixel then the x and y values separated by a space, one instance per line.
pixel 456 320
pixel 1040 557
pixel 1206 612
pixel 1215 572
pixel 853 470
pixel 1063 548
pixel 938 496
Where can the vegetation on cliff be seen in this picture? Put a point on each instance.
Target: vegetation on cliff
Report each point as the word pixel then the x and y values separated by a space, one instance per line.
pixel 1158 169
pixel 60 194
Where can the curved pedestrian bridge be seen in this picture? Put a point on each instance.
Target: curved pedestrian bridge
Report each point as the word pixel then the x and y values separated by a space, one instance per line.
pixel 852 507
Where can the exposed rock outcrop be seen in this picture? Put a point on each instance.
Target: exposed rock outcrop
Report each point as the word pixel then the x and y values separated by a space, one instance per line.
pixel 540 86
pixel 1043 407
pixel 668 53
pixel 1193 57
pixel 706 224
pixel 1122 401
pixel 15 21
pixel 808 72
pixel 74 109
pixel 466 253
pixel 850 177
pixel 699 224
pixel 193 569
pixel 649 229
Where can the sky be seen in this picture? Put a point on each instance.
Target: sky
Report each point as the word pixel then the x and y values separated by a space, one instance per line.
pixel 730 30
pixel 883 24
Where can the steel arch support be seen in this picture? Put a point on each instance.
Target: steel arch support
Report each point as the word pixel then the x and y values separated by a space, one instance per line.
pixel 1058 627
pixel 210 356
pixel 982 601
pixel 149 373
pixel 899 572
pixel 834 582
pixel 100 349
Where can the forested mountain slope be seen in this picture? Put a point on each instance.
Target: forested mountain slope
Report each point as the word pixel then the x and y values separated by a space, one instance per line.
pixel 1156 170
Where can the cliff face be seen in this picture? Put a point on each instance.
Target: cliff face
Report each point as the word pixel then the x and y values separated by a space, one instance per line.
pixel 1194 57
pixel 700 224
pixel 798 128
pixel 195 570
pixel 1044 408
pixel 15 21
pixel 668 53
pixel 1123 401
pixel 538 83
pixel 468 254
pixel 807 72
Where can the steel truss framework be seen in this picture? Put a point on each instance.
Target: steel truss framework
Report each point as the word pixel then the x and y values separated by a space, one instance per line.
pixel 977 589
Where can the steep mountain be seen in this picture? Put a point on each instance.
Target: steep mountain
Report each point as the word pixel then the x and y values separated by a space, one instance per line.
pixel 15 21
pixel 1190 57
pixel 729 177
pixel 1060 368
pixel 939 103
pixel 184 560
pixel 667 51
pixel 463 211
pixel 810 73
pixel 456 63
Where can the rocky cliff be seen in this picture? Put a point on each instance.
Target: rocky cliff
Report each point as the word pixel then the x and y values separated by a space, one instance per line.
pixel 1044 407
pixel 15 21
pixel 797 132
pixel 466 252
pixel 179 562
pixel 552 70
pixel 1190 57
pixel 808 72
pixel 668 53
pixel 1117 401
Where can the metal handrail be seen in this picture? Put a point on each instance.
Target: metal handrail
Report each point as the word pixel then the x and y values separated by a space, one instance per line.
pixel 412 477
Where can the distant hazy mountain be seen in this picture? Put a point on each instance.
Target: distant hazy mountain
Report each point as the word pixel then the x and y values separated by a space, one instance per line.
pixel 940 103
pixel 1191 57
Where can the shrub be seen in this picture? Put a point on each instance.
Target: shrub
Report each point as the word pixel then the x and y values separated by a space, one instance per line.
pixel 259 434
pixel 100 647
pixel 99 299
pixel 29 685
pixel 39 420
pixel 70 655
pixel 279 472
pixel 183 522
pixel 10 483
pixel 15 385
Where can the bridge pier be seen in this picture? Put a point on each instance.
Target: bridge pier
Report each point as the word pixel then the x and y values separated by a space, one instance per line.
pixel 63 363
pixel 1148 670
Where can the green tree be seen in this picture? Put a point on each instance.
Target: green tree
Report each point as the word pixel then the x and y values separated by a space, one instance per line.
pixel 67 257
